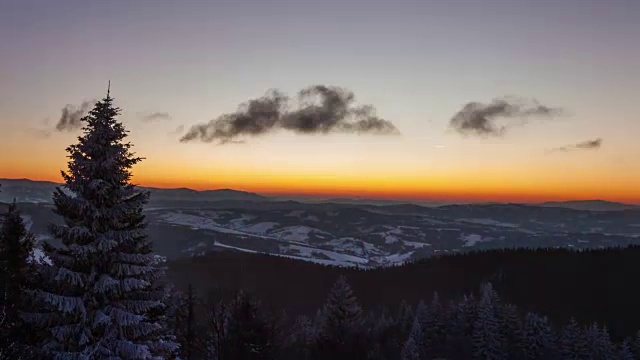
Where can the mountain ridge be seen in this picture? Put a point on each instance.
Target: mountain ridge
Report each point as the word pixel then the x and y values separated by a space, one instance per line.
pixel 39 191
pixel 590 204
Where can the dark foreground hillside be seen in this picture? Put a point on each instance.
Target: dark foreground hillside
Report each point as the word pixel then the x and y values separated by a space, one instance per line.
pixel 596 285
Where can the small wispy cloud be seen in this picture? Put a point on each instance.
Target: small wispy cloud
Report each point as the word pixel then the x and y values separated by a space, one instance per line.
pixel 584 145
pixel 156 116
pixel 481 119
pixel 71 116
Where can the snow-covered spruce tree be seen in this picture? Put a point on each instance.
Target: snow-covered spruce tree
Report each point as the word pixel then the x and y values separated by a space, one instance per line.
pixel 414 348
pixel 624 351
pixel 434 327
pixel 384 334
pixel 252 334
pixel 411 350
pixel 460 318
pixel 420 316
pixel 598 343
pixel 299 342
pixel 216 313
pixel 340 329
pixel 510 326
pixel 101 297
pixel 536 338
pixel 178 318
pixel 572 342
pixel 488 342
pixel 404 319
pixel 16 247
pixel 460 328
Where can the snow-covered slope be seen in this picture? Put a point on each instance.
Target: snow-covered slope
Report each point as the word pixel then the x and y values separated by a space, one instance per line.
pixel 367 236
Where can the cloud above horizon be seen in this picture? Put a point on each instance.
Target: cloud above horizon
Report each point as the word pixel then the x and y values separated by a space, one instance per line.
pixel 583 145
pixel 156 116
pixel 321 110
pixel 481 119
pixel 71 116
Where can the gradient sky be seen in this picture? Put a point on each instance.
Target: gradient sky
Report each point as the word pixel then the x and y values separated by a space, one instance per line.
pixel 418 62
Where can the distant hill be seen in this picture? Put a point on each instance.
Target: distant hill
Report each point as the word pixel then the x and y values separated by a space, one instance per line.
pixel 184 194
pixel 34 191
pixel 359 201
pixel 592 205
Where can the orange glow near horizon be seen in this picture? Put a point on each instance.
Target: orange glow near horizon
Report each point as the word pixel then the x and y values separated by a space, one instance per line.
pixel 451 179
pixel 401 187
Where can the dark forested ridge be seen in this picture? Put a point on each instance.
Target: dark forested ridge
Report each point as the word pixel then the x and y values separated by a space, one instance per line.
pixel 594 285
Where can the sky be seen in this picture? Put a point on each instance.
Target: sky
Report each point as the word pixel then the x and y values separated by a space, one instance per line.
pixel 503 100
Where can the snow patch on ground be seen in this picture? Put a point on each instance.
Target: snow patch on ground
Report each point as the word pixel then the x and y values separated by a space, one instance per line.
pixel 196 222
pixel 241 221
pixel 201 223
pixel 334 256
pixel 260 228
pixel 392 236
pixel 315 260
pixel 233 247
pixel 297 233
pixel 472 239
pixel 415 244
pixel 399 258
pixel 390 239
pixel 354 246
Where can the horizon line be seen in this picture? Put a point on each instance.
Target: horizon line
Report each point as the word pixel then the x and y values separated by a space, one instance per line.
pixel 391 198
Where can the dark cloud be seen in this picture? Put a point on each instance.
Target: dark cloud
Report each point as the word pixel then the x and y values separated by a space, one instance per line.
pixel 584 145
pixel 156 116
pixel 255 117
pixel 71 116
pixel 481 119
pixel 589 144
pixel 331 109
pixel 321 110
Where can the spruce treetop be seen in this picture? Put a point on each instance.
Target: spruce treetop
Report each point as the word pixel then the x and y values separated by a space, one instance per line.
pixel 101 158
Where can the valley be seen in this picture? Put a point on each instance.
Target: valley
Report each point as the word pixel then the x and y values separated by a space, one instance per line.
pixel 185 223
